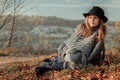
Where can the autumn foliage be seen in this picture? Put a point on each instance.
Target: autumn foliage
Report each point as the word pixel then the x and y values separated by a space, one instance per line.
pixel 108 70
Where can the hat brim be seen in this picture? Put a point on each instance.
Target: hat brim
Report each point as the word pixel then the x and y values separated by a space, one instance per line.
pixel 104 18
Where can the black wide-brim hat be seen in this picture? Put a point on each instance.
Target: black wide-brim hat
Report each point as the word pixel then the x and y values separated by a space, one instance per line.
pixel 98 12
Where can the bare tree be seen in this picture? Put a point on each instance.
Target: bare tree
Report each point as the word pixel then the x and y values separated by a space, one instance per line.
pixel 10 13
pixel 13 22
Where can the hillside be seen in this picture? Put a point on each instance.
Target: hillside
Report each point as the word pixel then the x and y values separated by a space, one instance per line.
pixel 27 23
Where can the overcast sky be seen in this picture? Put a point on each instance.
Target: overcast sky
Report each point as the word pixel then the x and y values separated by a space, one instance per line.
pixel 73 9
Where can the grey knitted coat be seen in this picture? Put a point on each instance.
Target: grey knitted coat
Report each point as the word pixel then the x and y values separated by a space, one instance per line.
pixel 79 50
pixel 76 52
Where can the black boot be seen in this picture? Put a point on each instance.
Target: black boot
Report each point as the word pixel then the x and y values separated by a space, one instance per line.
pixel 42 68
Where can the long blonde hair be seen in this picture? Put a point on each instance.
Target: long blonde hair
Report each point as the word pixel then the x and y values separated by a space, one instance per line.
pixel 87 32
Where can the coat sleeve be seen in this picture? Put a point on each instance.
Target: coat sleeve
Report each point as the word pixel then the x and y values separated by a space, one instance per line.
pixel 63 45
pixel 98 53
pixel 75 35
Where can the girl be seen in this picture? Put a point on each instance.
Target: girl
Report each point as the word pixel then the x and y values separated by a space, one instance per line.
pixel 84 47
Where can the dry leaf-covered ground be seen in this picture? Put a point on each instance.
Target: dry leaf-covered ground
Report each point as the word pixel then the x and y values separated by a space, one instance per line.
pixel 24 69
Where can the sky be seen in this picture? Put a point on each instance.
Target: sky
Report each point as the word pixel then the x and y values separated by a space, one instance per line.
pixel 72 9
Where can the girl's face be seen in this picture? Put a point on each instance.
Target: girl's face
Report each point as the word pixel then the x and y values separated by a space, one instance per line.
pixel 93 20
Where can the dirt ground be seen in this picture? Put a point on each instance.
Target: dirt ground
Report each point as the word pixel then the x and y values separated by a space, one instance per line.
pixel 9 59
